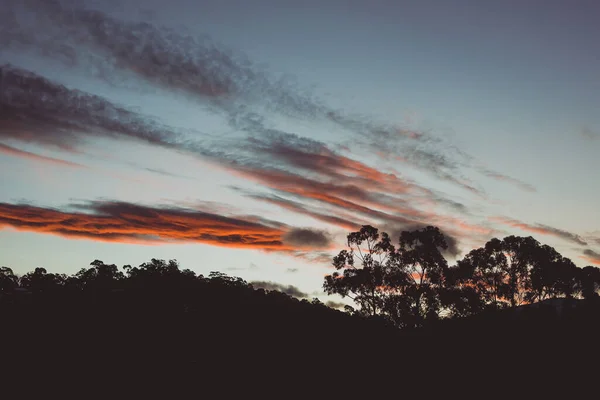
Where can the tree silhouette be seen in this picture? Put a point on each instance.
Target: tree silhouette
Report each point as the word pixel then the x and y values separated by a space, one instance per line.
pixel 552 275
pixel 481 276
pixel 40 281
pixel 419 256
pixel 520 253
pixel 99 277
pixel 500 272
pixel 400 283
pixel 411 283
pixel 370 284
pixel 588 282
pixel 8 280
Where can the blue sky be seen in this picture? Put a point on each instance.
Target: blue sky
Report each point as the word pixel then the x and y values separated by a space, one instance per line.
pixel 250 137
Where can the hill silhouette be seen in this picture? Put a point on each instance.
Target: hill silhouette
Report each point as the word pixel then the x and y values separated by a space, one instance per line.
pixel 166 323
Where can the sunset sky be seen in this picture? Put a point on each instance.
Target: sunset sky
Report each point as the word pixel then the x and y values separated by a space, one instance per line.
pixel 250 137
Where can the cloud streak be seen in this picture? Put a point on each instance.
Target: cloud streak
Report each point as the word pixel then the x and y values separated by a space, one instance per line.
pixel 590 134
pixel 542 230
pixel 591 256
pixel 505 178
pixel 13 151
pixel 130 223
pixel 34 109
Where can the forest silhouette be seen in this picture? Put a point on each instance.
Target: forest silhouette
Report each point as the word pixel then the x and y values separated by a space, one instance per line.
pixel 511 310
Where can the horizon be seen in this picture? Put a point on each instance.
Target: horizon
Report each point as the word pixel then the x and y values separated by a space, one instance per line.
pixel 255 137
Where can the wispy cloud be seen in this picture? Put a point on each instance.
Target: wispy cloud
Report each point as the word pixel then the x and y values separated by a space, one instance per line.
pixel 62 30
pixel 13 151
pixel 131 223
pixel 590 134
pixel 505 178
pixel 542 230
pixel 591 256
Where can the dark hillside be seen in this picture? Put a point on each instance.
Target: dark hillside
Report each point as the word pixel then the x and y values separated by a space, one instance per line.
pixel 166 327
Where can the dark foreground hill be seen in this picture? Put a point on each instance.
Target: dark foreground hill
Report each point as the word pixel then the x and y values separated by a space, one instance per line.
pixel 220 337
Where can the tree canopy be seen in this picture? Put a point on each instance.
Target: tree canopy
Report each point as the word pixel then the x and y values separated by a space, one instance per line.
pixel 409 282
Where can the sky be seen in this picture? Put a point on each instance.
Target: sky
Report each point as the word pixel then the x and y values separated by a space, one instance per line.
pixel 252 137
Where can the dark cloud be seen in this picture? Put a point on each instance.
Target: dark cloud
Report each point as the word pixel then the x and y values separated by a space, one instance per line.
pixel 316 257
pixel 116 49
pixel 592 256
pixel 335 304
pixel 287 289
pixel 452 204
pixel 591 253
pixel 590 134
pixel 307 238
pixel 542 230
pixel 86 37
pixel 34 109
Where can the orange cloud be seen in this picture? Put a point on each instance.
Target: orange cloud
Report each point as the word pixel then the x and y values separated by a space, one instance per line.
pixel 329 193
pixel 592 260
pixel 351 205
pixel 131 223
pixel 591 256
